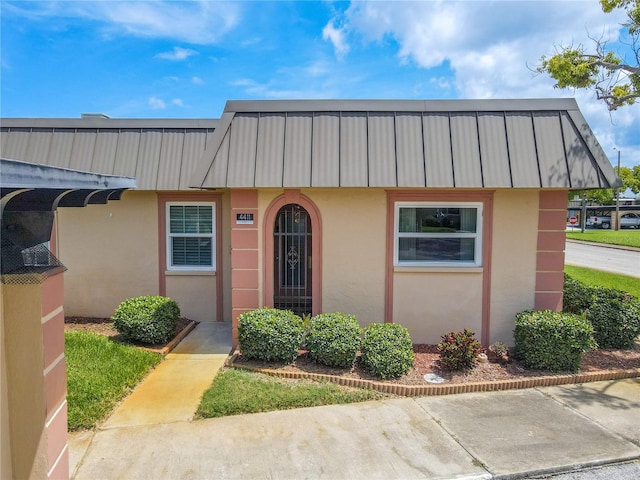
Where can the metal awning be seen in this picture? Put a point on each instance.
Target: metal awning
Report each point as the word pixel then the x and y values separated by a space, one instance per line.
pixel 538 143
pixel 32 187
pixel 29 195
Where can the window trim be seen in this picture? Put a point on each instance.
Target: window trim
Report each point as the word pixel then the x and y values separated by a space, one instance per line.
pixel 478 235
pixel 168 236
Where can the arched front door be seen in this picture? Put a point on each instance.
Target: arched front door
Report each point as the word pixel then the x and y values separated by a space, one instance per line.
pixel 292 289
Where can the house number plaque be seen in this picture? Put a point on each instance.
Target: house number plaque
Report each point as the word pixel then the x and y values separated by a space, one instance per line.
pixel 244 218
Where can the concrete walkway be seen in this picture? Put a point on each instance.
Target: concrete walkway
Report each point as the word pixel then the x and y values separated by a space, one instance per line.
pixel 479 435
pixel 171 392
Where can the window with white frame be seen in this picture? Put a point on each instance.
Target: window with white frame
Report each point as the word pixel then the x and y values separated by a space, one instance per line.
pixel 438 234
pixel 191 236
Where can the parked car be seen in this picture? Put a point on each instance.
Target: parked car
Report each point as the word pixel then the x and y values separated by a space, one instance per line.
pixel 627 220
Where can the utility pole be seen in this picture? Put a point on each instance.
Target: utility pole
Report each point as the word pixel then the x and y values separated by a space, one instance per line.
pixel 583 212
pixel 618 193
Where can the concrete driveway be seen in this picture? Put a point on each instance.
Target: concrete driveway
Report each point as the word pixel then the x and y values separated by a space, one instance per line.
pixel 477 435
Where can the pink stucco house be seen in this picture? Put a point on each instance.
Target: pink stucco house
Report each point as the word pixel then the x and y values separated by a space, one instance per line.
pixel 439 215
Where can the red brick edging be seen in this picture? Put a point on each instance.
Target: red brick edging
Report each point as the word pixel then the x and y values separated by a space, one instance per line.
pixel 448 389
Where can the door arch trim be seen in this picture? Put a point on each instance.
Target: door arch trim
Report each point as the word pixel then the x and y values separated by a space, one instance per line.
pixel 316 246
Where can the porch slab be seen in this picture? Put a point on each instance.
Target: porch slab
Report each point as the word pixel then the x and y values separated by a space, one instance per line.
pixel 377 440
pixel 513 433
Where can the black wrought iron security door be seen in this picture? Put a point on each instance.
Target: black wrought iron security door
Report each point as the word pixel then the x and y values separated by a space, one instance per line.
pixel 292 260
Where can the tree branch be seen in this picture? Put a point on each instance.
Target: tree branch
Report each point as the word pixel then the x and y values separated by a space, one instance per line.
pixel 613 66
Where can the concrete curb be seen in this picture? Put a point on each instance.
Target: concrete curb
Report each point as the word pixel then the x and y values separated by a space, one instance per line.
pixel 429 390
pixel 604 245
pixel 575 468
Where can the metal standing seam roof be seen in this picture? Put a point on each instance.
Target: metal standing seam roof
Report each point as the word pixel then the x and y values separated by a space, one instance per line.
pixel 536 143
pixel 161 154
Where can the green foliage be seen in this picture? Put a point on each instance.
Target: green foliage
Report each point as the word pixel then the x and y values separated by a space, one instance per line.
pixel 499 348
pixel 270 335
pixel 236 392
pixel 576 295
pixel 601 196
pixel 616 321
pixel 552 340
pixel 615 82
pixel 100 373
pixel 333 339
pixel 630 178
pixel 458 350
pixel 614 314
pixel 387 350
pixel 570 69
pixel 147 319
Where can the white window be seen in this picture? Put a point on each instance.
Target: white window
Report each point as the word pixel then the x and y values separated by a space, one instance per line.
pixel 191 236
pixel 438 234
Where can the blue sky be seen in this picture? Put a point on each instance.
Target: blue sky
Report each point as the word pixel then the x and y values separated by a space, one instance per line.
pixel 185 59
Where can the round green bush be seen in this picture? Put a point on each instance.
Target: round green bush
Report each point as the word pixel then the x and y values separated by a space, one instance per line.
pixel 616 323
pixel 147 319
pixel 334 339
pixel 551 340
pixel 387 350
pixel 270 335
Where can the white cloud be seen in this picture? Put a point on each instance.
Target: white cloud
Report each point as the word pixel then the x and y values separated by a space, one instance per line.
pixel 337 37
pixel 483 42
pixel 199 22
pixel 492 49
pixel 197 81
pixel 178 53
pixel 177 102
pixel 157 103
pixel 251 41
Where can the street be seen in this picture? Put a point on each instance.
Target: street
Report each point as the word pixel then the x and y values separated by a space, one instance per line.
pixel 615 260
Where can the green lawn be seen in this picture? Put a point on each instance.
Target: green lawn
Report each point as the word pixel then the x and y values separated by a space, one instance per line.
pixel 627 237
pixel 605 279
pixel 100 373
pixel 235 392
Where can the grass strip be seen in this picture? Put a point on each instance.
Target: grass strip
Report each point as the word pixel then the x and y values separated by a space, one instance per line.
pixel 236 392
pixel 627 238
pixel 100 373
pixel 597 278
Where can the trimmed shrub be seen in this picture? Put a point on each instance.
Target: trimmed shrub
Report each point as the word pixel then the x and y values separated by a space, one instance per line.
pixel 148 319
pixel 333 339
pixel 270 335
pixel 578 296
pixel 458 350
pixel 551 340
pixel 616 323
pixel 387 350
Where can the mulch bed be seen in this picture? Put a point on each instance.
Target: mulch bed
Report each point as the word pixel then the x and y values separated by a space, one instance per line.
pixel 104 326
pixel 427 360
